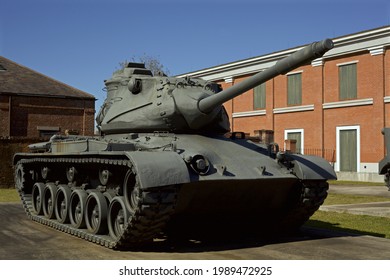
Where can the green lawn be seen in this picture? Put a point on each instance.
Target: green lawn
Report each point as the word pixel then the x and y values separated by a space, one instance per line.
pixel 355 183
pixel 334 199
pixel 9 195
pixel 358 224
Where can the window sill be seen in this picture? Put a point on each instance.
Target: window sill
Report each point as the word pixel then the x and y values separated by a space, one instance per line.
pixel 348 103
pixel 249 113
pixel 294 109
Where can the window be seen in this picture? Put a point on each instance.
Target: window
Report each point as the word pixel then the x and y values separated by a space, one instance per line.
pixel 295 134
pixel 294 89
pixel 47 131
pixel 259 97
pixel 347 81
pixel 2 68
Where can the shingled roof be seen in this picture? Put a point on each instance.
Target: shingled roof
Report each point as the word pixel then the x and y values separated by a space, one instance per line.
pixel 16 79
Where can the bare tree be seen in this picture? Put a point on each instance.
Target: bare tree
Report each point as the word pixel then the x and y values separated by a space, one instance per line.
pixel 152 63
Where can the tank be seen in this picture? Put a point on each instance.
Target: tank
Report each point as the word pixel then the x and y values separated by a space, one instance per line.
pixel 163 167
pixel 384 164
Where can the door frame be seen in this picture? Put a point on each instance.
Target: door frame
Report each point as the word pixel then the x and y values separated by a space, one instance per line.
pixel 300 130
pixel 341 128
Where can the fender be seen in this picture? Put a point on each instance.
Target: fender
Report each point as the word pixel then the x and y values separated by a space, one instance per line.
pixel 312 168
pixel 159 168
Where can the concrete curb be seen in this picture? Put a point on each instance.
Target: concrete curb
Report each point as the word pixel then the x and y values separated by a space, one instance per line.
pixel 379 209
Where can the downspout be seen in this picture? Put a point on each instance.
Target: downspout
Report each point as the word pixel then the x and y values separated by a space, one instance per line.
pixel 9 114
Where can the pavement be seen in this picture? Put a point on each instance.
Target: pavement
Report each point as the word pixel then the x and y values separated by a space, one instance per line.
pixel 381 209
pixel 24 239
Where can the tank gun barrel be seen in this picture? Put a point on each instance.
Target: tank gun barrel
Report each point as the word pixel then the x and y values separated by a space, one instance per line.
pixel 299 58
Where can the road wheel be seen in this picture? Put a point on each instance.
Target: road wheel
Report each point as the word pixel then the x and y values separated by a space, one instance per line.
pixel 49 195
pixel 37 197
pixel 117 217
pixel 77 208
pixel 62 204
pixel 96 213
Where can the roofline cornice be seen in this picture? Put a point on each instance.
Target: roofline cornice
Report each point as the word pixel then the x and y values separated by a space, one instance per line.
pixel 352 43
pixel 47 95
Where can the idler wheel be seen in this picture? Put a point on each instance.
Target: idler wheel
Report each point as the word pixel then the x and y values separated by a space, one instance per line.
pixel 77 208
pixel 62 204
pixel 37 198
pixel 117 217
pixel 49 195
pixel 96 213
pixel 23 178
pixel 19 176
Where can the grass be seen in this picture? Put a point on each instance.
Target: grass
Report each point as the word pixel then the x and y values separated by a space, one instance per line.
pixel 356 224
pixel 334 199
pixel 355 183
pixel 9 195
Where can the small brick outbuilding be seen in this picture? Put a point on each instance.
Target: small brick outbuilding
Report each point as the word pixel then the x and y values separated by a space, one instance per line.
pixel 33 105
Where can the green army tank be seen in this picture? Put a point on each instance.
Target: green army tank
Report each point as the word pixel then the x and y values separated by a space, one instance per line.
pixel 162 166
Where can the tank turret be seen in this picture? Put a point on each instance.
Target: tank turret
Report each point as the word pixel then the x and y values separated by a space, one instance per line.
pixel 138 102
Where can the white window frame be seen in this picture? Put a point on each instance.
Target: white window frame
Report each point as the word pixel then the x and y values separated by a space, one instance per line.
pixel 300 130
pixel 338 129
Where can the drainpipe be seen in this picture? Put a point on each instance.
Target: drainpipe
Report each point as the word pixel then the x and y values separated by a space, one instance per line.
pixel 9 114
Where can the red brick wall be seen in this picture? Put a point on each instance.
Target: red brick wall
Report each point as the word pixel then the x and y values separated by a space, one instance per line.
pixel 8 147
pixel 28 113
pixel 320 85
pixel 229 104
pixel 370 118
pixel 4 116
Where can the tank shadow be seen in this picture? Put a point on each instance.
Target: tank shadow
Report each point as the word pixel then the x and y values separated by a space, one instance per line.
pixel 245 241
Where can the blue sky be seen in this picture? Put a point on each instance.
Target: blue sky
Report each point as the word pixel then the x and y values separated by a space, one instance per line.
pixel 81 42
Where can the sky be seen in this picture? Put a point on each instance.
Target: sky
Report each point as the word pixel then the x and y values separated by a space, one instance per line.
pixel 81 42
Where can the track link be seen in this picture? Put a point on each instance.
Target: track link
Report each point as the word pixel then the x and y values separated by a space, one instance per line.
pixel 150 211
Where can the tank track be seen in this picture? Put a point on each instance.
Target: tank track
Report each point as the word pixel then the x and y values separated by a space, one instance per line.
pixel 312 197
pixel 146 218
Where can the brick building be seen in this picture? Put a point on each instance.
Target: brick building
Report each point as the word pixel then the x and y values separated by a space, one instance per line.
pixel 334 107
pixel 33 105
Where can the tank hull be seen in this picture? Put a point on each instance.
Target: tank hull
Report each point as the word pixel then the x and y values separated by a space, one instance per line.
pixel 130 196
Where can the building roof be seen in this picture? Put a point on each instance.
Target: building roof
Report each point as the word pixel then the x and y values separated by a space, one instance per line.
pixel 16 79
pixel 374 41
